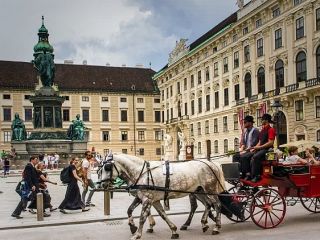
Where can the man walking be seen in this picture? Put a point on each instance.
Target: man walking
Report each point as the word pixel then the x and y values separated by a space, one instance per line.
pixel 86 168
pixel 31 186
pixel 249 139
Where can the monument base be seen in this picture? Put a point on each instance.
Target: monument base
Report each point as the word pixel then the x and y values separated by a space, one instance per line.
pixel 182 157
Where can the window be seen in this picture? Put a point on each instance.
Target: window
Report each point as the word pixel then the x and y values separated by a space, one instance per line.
pixel 141 151
pixel 6 96
pixel 191 130
pixel 124 151
pixel 66 115
pixel 215 69
pixel 261 80
pixel 85 115
pixel 185 108
pixel 207 102
pixel 185 84
pixel 85 99
pixel 236 92
pixel 299 110
pixel 199 128
pixel 199 77
pixel 260 47
pixel 225 123
pixel 207 74
pixel 225 65
pixel 104 99
pixel 162 94
pixel 235 37
pixel 171 91
pixel 226 96
pixel 157 117
pixel 200 105
pixel 124 136
pixel 192 81
pixel 214 49
pixel 225 146
pixel 245 30
pixel 67 98
pixel 199 148
pixel 27 97
pixel 124 115
pixel 105 115
pixel 7 136
pixel 279 71
pixel 215 125
pixel 156 100
pixel 207 130
pixel 7 114
pixel 297 2
pixel 157 135
pixel 140 116
pixel 178 88
pixel 259 116
pixel 278 38
pixel 216 146
pixel 317 102
pixel 236 144
pixel 141 136
pixel 235 122
pixel 318 136
pixel 236 59
pixel 258 23
pixel 123 99
pixel 318 61
pixel 247 54
pixel 28 114
pixel 192 107
pixel 105 136
pixel 301 67
pixel 216 99
pixel 276 12
pixel 158 151
pixel 300 28
pixel 247 85
pixel 105 152
pixel 139 100
pixel 318 19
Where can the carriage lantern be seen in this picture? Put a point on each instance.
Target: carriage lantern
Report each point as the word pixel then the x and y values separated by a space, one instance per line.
pixel 277 107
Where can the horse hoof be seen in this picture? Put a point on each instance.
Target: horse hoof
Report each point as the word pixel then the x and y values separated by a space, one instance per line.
pixel 149 230
pixel 133 228
pixel 204 229
pixel 175 236
pixel 184 228
pixel 215 232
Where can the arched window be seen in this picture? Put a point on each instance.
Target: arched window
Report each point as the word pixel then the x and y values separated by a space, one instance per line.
pixel 279 70
pixel 225 145
pixel 318 136
pixel 236 144
pixel 301 67
pixel 261 80
pixel 247 85
pixel 216 146
pixel 318 61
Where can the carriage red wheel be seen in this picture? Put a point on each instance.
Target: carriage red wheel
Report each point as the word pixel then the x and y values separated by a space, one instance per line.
pixel 243 197
pixel 311 204
pixel 268 208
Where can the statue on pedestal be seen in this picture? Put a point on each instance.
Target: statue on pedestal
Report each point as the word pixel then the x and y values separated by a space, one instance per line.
pixel 45 66
pixel 19 132
pixel 76 129
pixel 168 147
pixel 182 145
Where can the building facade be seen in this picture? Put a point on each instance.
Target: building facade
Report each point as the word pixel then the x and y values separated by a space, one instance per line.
pixel 267 51
pixel 120 106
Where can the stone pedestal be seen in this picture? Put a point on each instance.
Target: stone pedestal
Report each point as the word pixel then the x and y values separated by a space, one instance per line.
pixel 168 156
pixel 182 154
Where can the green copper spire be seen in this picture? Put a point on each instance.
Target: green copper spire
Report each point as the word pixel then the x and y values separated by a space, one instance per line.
pixel 43 45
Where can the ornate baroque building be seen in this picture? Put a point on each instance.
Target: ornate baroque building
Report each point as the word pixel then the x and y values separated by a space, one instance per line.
pixel 266 51
pixel 120 106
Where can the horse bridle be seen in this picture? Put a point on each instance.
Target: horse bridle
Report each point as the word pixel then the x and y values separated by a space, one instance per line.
pixel 108 166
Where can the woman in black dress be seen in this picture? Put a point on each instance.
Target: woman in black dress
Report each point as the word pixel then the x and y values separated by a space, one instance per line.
pixel 72 199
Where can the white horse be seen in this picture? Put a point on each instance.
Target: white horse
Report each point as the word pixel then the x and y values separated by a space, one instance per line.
pixel 203 178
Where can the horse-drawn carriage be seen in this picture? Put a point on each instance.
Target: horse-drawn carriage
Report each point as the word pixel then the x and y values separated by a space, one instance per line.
pixel 281 185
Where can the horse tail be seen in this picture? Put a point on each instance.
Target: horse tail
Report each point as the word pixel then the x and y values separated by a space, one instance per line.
pixel 221 179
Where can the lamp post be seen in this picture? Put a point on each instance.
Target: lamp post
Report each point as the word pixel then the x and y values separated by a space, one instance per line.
pixel 277 107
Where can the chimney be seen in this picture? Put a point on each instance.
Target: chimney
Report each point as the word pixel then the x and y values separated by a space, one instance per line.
pixel 108 64
pixel 84 62
pixel 68 61
pixel 123 65
pixel 139 65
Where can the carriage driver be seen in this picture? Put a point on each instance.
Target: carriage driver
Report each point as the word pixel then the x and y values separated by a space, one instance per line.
pixel 250 138
pixel 266 140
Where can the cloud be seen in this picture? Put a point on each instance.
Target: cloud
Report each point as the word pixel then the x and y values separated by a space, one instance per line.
pixel 101 31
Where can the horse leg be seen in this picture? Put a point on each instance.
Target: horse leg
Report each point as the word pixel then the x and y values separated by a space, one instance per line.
pixel 145 211
pixel 217 206
pixel 133 206
pixel 206 213
pixel 151 223
pixel 194 206
pixel 157 205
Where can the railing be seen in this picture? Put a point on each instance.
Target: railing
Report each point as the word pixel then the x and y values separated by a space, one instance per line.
pixel 173 120
pixel 240 101
pixel 253 98
pixel 313 82
pixel 292 87
pixel 268 94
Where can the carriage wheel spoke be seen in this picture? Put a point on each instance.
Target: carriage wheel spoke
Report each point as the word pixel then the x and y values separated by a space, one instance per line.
pixel 266 220
pixel 275 215
pixel 271 219
pixel 261 217
pixel 258 212
pixel 312 200
pixel 276 209
pixel 260 201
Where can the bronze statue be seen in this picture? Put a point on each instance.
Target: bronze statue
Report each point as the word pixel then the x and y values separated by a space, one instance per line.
pixel 45 66
pixel 19 132
pixel 76 129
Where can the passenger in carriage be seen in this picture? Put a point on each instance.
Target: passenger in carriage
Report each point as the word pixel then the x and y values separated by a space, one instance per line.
pixel 249 139
pixel 293 157
pixel 266 140
pixel 310 156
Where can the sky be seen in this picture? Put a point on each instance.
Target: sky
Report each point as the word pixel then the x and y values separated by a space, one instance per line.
pixel 117 32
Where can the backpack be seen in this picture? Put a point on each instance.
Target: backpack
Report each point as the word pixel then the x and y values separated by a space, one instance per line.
pixel 65 175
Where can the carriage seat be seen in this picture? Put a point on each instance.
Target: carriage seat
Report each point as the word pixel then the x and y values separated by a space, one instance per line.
pixel 231 171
